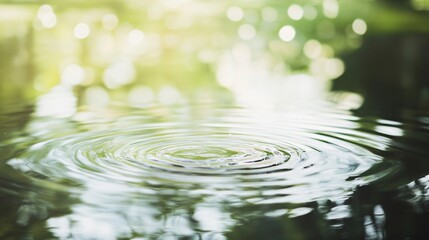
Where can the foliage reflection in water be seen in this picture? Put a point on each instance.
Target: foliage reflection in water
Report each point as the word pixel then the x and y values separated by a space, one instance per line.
pixel 168 171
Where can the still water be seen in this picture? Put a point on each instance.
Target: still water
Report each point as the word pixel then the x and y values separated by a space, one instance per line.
pixel 210 171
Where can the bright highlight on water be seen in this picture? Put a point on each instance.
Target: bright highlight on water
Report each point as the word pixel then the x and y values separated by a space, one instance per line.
pixel 204 156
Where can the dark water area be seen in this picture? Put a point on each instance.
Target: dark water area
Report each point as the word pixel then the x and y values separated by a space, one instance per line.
pixel 213 172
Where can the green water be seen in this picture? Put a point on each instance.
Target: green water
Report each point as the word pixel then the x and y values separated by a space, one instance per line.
pixel 214 120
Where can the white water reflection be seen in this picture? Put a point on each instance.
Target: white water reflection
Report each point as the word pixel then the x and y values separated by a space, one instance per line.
pixel 187 174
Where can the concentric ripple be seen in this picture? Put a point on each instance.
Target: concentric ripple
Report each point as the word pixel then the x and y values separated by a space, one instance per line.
pixel 268 157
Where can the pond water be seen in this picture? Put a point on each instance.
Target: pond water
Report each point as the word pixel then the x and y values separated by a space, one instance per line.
pixel 198 119
pixel 212 172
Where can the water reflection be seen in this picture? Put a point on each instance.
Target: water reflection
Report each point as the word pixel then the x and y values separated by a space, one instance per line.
pixel 207 171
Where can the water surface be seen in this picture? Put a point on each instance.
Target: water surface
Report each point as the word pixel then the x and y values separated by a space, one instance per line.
pixel 212 172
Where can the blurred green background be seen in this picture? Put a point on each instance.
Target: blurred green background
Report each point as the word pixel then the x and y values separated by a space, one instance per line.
pixel 268 53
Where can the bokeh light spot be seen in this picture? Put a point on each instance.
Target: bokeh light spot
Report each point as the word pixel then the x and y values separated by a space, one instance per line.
pixel 97 96
pixel 310 13
pixel 359 26
pixel 328 68
pixel 312 49
pixel 119 73
pixel 269 14
pixel 295 12
pixel 136 37
pixel 140 95
pixel 247 32
pixel 287 33
pixel 110 21
pixel 331 8
pixel 235 13
pixel 72 75
pixel 82 31
pixel 47 16
pixel 169 95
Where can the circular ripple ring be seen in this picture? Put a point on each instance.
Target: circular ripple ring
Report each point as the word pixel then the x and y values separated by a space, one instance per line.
pixel 288 158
